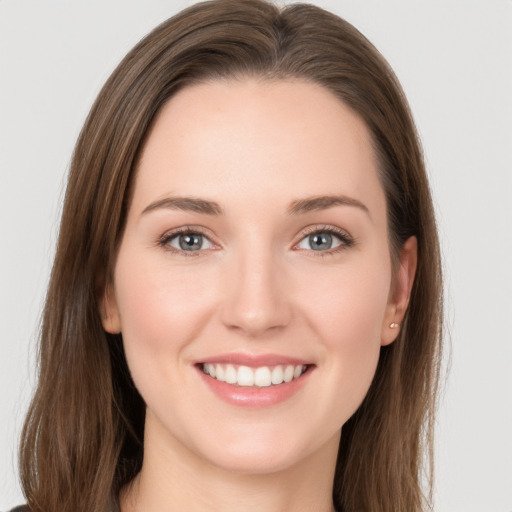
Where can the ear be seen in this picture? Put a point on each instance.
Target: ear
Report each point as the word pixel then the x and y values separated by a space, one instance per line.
pixel 400 291
pixel 109 311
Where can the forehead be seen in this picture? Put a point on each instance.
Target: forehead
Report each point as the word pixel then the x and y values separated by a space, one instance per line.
pixel 257 141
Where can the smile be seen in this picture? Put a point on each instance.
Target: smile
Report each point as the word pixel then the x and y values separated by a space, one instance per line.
pixel 262 376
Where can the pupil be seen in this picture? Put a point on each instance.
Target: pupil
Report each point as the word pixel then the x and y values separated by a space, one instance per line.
pixel 190 242
pixel 320 241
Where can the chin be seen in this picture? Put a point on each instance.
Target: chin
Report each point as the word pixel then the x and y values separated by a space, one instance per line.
pixel 257 460
pixel 269 453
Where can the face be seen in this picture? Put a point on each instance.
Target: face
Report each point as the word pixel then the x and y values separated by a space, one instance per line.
pixel 253 285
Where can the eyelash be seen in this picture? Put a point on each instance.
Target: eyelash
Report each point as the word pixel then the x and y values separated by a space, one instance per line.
pixel 164 240
pixel 347 241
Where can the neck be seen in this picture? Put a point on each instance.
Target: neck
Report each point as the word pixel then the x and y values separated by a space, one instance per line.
pixel 173 479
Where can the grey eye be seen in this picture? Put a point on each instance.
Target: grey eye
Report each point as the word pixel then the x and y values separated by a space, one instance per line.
pixel 320 241
pixel 190 242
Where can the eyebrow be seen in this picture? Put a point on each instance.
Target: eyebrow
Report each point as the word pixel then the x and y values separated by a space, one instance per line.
pixel 186 204
pixel 297 207
pixel 316 203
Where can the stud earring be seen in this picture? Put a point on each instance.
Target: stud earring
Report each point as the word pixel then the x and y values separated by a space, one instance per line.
pixel 394 325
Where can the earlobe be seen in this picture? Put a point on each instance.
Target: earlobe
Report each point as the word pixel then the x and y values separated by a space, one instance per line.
pixel 401 293
pixel 109 311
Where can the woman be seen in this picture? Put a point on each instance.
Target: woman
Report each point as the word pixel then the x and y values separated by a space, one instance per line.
pixel 245 304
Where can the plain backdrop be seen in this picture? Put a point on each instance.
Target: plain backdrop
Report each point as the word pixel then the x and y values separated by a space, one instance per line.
pixel 454 59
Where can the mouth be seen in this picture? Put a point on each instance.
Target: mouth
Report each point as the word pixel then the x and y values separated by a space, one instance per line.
pixel 254 380
pixel 255 377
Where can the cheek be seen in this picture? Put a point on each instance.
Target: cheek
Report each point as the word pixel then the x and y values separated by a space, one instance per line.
pixel 161 310
pixel 347 317
pixel 152 296
pixel 348 306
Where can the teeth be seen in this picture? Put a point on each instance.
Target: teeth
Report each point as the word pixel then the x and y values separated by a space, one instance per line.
pixel 245 376
pixel 230 374
pixel 277 375
pixel 262 376
pixel 288 373
pixel 219 372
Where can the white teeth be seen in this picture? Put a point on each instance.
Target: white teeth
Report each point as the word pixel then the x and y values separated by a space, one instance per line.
pixel 277 375
pixel 288 373
pixel 219 372
pixel 245 376
pixel 230 375
pixel 262 376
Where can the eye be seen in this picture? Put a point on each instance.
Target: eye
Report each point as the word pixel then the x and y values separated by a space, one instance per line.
pixel 187 241
pixel 323 240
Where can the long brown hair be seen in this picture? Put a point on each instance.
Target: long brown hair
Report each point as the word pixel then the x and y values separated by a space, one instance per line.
pixel 82 439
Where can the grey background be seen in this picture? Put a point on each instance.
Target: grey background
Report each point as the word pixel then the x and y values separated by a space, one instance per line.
pixel 454 59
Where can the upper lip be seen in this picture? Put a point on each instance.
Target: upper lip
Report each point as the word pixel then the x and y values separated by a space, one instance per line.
pixel 254 360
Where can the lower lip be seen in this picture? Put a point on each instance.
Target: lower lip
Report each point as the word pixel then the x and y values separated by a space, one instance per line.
pixel 253 396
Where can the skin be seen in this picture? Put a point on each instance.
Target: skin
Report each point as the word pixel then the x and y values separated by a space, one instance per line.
pixel 256 287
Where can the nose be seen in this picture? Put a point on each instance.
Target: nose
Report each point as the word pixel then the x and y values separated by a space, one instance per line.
pixel 257 299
